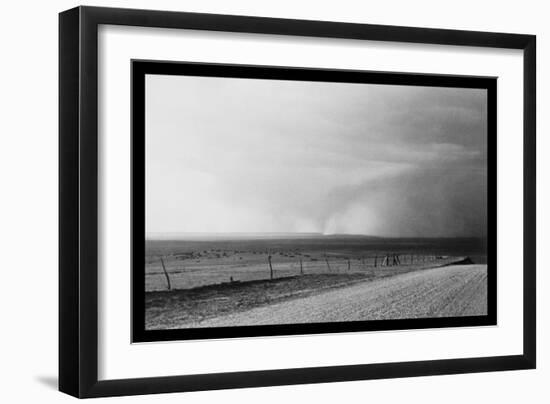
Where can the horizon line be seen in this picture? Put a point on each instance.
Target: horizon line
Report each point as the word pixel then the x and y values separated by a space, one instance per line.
pixel 165 235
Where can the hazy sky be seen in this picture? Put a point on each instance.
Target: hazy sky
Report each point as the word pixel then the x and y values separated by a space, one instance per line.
pixel 248 155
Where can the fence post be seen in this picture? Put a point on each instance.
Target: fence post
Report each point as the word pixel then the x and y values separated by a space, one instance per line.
pixel 165 274
pixel 270 266
pixel 328 265
pixel 349 265
pixel 301 267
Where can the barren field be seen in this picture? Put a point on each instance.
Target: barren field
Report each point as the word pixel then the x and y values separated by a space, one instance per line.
pixel 459 290
pixel 316 278
pixel 455 290
pixel 196 263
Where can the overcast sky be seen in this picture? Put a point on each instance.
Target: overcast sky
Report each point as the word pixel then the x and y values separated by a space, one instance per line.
pixel 248 155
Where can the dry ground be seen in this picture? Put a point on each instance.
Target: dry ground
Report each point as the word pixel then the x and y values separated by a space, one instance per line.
pixel 456 290
pixel 459 290
pixel 192 264
pixel 185 307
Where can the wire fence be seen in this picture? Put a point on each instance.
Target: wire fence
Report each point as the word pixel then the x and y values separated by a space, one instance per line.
pixel 175 272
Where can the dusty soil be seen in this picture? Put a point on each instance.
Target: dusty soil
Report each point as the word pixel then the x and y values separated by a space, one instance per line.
pixel 231 303
pixel 184 308
pixel 459 290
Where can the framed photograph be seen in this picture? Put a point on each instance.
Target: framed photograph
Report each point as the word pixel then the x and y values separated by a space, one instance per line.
pixel 277 201
pixel 250 201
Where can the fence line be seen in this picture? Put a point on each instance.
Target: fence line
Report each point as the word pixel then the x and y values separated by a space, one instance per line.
pixel 374 262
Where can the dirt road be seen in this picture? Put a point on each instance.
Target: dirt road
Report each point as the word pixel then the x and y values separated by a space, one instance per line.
pixel 459 290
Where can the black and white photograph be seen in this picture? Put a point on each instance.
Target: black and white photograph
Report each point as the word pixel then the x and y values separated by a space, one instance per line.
pixel 281 202
pixel 294 197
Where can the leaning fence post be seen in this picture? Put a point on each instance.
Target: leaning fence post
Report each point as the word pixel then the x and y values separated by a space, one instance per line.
pixel 165 273
pixel 328 265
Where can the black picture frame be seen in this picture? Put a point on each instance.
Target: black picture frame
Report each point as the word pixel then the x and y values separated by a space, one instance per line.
pixel 141 68
pixel 78 205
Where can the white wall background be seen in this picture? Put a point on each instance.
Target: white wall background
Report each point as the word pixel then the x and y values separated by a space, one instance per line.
pixel 28 207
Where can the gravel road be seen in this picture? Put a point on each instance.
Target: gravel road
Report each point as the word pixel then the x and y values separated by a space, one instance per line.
pixel 459 290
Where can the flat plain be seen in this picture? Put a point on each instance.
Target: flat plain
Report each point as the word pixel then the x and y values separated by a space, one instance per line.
pixel 269 280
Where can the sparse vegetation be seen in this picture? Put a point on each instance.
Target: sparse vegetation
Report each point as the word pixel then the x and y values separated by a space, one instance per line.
pixel 212 278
